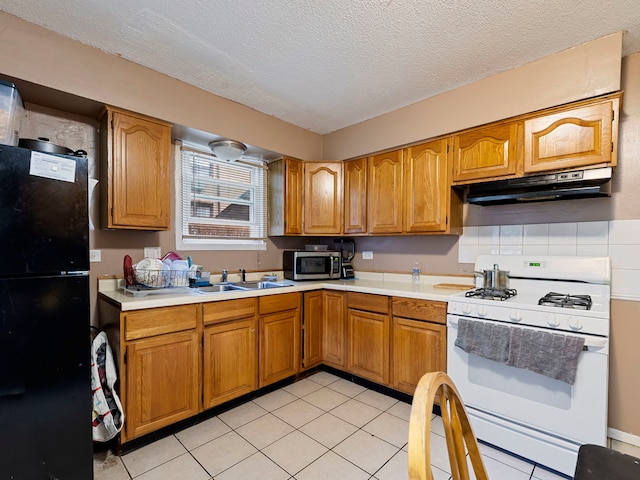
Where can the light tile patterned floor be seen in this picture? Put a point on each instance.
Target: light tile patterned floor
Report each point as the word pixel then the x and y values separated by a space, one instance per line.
pixel 321 427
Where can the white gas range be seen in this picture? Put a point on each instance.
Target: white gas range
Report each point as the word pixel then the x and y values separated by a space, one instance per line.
pixel 540 418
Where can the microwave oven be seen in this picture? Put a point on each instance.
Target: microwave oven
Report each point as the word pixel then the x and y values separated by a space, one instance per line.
pixel 311 265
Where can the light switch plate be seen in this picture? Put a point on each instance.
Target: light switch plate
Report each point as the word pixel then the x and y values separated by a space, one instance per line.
pixel 95 255
pixel 367 255
pixel 152 252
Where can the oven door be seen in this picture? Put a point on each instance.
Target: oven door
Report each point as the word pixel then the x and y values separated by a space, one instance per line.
pixel 575 413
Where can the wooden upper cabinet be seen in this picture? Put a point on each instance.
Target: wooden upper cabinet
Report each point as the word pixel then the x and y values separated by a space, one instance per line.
pixel 384 193
pixel 572 137
pixel 582 134
pixel 135 152
pixel 286 179
pixel 486 152
pixel 427 187
pixel 322 198
pixel 355 196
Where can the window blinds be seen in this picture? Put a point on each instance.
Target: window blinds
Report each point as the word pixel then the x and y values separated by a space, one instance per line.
pixel 222 200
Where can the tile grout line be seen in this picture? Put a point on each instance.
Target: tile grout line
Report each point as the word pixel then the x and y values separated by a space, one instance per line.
pixel 358 429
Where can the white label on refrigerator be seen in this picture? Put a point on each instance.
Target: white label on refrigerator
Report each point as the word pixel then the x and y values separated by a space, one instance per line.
pixel 50 166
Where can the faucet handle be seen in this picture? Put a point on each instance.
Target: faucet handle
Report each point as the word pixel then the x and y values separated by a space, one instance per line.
pixel 243 275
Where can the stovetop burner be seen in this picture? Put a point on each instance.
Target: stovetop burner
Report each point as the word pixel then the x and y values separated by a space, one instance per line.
pixel 553 299
pixel 492 293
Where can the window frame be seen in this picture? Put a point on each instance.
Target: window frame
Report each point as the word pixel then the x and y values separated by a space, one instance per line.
pixel 183 243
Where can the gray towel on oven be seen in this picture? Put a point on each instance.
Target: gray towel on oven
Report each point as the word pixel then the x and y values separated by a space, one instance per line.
pixel 550 354
pixel 486 339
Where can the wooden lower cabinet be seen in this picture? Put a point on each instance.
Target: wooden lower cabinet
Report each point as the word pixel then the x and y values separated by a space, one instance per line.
pixel 163 378
pixel 334 328
pixel 279 337
pixel 368 334
pixel 418 348
pixel 312 329
pixel 230 350
pixel 177 361
pixel 419 341
pixel 161 374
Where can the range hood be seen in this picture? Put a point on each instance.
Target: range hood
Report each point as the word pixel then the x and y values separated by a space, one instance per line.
pixel 588 183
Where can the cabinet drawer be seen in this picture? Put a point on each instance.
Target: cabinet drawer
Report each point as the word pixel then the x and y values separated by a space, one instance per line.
pixel 279 302
pixel 420 309
pixel 217 312
pixel 158 321
pixel 368 302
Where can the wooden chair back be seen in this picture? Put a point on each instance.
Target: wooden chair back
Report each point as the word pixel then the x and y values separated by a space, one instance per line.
pixel 459 434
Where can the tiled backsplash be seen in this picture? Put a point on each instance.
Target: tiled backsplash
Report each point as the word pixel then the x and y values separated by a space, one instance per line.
pixel 618 239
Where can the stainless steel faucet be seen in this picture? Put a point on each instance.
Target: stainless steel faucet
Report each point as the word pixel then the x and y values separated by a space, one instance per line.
pixel 225 274
pixel 243 275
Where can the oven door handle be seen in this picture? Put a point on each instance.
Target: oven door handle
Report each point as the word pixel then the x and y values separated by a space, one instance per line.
pixel 589 343
pixel 595 343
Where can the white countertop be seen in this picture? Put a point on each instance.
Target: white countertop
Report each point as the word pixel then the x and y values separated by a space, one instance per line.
pixel 374 283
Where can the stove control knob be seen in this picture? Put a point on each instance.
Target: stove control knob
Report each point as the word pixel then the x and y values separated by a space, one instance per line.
pixel 552 320
pixel 515 315
pixel 466 309
pixel 575 323
pixel 482 311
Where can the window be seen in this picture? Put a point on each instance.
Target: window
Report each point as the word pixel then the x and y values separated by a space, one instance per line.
pixel 223 204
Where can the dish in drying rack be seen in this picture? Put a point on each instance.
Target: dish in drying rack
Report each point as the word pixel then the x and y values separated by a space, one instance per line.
pixel 151 272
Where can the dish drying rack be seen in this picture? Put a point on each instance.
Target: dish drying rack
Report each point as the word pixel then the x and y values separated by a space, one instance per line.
pixel 141 283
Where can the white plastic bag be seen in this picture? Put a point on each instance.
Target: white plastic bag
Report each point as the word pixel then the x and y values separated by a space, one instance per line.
pixel 108 417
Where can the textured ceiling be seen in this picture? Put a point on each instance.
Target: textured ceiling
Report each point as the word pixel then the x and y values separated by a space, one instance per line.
pixel 327 64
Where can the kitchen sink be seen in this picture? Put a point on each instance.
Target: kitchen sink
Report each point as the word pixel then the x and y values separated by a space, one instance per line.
pixel 239 286
pixel 221 287
pixel 258 285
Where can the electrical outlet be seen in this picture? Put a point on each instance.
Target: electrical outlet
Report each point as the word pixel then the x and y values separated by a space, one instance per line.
pixel 367 255
pixel 152 252
pixel 95 255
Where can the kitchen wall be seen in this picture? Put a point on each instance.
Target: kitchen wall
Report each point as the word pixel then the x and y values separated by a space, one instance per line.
pixel 581 72
pixel 31 53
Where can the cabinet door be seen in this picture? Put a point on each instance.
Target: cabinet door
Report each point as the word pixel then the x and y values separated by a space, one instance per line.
pixel 384 188
pixel 486 152
pixel 162 382
pixel 230 361
pixel 418 347
pixel 578 137
pixel 334 329
pixel 322 198
pixel 355 196
pixel 294 180
pixel 140 179
pixel 279 346
pixel 427 188
pixel 368 354
pixel 312 329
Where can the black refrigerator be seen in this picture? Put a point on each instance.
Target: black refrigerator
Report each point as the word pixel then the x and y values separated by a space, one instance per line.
pixel 45 383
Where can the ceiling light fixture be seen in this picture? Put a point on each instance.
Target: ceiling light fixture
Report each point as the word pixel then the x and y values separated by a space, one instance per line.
pixel 227 150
